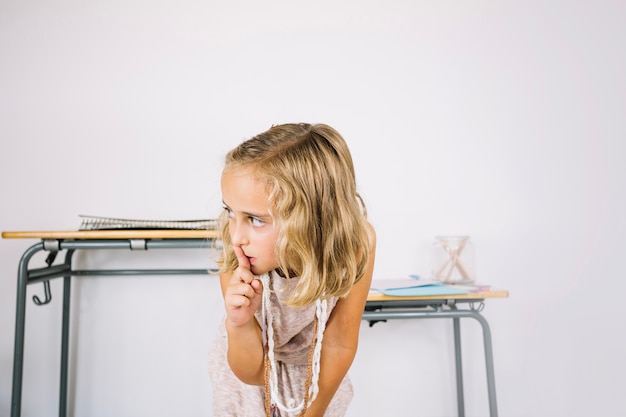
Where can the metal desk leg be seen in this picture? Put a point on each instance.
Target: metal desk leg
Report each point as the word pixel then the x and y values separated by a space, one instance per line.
pixel 20 316
pixel 491 384
pixel 459 367
pixel 65 333
pixel 456 315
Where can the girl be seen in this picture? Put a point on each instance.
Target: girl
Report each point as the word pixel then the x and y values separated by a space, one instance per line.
pixel 295 273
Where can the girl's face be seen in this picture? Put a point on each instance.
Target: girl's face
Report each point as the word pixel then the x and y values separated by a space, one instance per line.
pixel 250 224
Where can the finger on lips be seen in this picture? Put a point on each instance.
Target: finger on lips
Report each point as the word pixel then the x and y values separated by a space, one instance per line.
pixel 243 280
pixel 243 260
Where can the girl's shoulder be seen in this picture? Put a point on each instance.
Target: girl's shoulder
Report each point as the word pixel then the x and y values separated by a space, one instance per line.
pixel 371 233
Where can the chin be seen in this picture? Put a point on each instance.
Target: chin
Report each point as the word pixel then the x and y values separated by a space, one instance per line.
pixel 260 270
pixel 257 271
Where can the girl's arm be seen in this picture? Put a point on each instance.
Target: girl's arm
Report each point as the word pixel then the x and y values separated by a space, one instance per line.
pixel 242 296
pixel 341 336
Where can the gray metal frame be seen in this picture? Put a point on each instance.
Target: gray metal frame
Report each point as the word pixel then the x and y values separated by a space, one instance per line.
pixel 375 311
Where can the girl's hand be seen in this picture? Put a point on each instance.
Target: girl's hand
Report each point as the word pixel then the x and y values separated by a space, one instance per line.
pixel 243 292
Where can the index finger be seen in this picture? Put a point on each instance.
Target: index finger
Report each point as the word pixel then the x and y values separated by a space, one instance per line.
pixel 243 260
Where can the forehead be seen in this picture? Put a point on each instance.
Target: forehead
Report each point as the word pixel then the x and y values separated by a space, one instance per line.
pixel 242 190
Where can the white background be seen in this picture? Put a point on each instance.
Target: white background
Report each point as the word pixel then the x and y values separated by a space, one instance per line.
pixel 501 120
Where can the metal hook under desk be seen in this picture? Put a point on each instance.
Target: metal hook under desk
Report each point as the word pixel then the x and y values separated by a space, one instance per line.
pixel 48 295
pixel 54 250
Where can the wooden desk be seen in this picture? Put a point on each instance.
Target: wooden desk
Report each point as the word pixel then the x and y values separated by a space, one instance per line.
pixel 469 297
pixel 69 241
pixel 382 308
pixel 378 307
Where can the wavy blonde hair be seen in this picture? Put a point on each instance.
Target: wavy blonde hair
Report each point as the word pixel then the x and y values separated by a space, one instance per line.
pixel 322 228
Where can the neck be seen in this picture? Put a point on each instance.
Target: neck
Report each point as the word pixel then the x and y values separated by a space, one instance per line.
pixel 283 275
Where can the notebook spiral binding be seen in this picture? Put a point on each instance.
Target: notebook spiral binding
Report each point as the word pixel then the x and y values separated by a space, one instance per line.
pixel 111 223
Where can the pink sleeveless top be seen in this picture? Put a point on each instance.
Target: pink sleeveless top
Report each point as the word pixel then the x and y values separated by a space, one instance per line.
pixel 293 335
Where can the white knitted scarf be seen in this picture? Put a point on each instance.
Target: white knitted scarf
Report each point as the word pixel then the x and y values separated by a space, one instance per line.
pixel 321 312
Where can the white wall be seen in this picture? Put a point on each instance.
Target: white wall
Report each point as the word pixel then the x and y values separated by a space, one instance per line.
pixel 502 120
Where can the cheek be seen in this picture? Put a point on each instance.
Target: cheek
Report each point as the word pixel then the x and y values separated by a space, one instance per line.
pixel 271 245
pixel 268 240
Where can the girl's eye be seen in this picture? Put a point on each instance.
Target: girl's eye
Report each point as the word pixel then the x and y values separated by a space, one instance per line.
pixel 256 222
pixel 229 212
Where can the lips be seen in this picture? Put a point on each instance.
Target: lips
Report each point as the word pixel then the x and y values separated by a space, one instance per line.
pixel 250 258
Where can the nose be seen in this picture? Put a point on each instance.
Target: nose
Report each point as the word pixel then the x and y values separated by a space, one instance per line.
pixel 238 234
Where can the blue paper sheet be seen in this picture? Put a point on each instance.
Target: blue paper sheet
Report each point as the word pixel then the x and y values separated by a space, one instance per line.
pixel 432 289
pixel 414 287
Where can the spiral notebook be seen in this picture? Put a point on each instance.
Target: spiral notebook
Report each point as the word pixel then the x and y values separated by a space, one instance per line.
pixel 111 223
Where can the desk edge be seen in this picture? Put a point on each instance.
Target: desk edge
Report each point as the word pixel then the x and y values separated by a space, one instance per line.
pixel 495 293
pixel 114 234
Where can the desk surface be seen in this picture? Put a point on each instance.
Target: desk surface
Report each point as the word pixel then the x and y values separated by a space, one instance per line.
pixel 115 234
pixel 479 295
pixel 213 234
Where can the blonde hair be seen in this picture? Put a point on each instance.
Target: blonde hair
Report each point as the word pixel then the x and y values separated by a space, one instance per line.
pixel 321 219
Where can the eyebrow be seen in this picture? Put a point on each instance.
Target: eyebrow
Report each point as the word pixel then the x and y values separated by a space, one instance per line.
pixel 250 214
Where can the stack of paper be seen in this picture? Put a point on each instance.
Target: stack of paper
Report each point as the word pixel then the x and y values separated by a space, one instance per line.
pixel 414 287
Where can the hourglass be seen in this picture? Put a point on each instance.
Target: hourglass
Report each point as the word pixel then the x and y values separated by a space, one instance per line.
pixel 453 259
